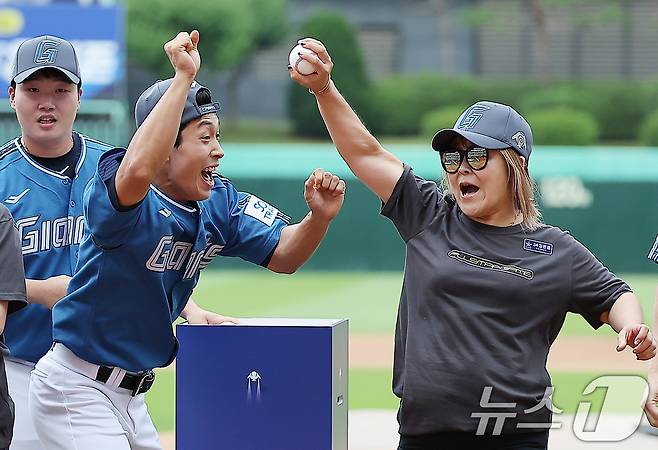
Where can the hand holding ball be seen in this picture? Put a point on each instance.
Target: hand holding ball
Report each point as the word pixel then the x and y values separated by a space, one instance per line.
pixel 301 65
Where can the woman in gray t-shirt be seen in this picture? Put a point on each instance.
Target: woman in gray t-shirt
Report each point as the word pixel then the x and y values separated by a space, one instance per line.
pixel 12 298
pixel 486 286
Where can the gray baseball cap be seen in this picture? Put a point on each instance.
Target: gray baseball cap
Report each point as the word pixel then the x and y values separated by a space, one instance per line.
pixel 490 125
pixel 45 52
pixel 150 97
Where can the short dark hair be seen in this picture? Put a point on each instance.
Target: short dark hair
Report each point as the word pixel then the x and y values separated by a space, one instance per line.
pixel 203 97
pixel 50 73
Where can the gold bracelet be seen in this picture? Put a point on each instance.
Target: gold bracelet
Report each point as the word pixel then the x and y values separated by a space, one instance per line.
pixel 324 89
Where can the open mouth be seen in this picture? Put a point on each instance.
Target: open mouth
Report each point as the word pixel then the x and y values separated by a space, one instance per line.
pixel 467 189
pixel 206 174
pixel 46 120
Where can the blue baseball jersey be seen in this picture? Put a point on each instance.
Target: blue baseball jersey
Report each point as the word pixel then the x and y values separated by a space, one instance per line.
pixel 47 210
pixel 137 267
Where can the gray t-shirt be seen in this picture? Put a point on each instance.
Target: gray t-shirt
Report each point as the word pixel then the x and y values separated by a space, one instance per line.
pixel 12 276
pixel 480 306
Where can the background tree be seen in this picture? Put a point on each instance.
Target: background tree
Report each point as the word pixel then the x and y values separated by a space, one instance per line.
pixel 230 33
pixel 349 74
pixel 582 13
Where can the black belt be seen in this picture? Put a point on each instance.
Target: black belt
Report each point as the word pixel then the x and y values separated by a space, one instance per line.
pixel 136 384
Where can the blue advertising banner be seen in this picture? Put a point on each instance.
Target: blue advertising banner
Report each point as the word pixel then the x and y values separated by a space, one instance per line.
pixel 96 32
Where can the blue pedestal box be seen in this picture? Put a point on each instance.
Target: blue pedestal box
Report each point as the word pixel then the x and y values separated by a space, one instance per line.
pixel 266 384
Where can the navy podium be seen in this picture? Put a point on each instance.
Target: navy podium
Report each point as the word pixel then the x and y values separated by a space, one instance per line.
pixel 265 384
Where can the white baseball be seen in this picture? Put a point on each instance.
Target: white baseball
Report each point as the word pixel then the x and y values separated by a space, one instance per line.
pixel 301 65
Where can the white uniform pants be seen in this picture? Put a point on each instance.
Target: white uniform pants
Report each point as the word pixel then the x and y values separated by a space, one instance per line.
pixel 73 411
pixel 18 380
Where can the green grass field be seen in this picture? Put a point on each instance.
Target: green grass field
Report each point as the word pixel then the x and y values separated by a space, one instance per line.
pixel 369 300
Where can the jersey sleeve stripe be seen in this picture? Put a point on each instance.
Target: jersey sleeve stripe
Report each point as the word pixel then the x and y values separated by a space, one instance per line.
pixel 109 163
pixel 8 149
pixel 653 254
pixel 283 217
pixel 243 202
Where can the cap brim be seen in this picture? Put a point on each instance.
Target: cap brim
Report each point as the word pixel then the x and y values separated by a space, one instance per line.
pixel 19 78
pixel 444 138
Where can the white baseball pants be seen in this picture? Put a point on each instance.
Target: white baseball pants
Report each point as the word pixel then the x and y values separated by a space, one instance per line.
pixel 73 411
pixel 18 380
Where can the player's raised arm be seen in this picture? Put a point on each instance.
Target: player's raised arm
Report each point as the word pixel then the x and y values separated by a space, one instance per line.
pixel 324 194
pixel 150 146
pixel 368 160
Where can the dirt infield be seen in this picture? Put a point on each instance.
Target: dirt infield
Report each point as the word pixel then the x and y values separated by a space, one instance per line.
pixel 168 440
pixel 570 354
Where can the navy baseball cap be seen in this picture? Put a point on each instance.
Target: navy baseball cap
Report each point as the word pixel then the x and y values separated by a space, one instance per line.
pixel 45 52
pixel 489 125
pixel 150 97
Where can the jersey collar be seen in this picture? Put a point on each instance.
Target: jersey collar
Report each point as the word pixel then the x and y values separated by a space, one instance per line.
pixel 173 202
pixel 83 153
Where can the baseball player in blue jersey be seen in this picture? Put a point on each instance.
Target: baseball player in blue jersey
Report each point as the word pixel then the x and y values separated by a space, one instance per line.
pixel 156 215
pixel 42 178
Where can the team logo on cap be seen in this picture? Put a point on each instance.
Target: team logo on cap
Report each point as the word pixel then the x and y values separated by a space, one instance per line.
pixel 46 52
pixel 520 140
pixel 472 116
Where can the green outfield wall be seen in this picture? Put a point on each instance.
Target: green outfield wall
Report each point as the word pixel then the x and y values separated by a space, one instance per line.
pixel 606 197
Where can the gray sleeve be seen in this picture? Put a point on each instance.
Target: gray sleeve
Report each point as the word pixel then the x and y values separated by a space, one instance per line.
pixel 413 204
pixel 12 276
pixel 594 288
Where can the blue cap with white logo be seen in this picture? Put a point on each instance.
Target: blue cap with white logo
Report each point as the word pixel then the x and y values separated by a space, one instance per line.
pixel 44 52
pixel 490 125
pixel 150 97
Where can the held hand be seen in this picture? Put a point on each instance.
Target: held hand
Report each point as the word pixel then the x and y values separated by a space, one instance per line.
pixel 322 64
pixel 324 193
pixel 184 54
pixel 651 405
pixel 640 338
pixel 57 287
pixel 202 317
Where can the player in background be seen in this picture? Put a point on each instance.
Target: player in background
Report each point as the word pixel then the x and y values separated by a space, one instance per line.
pixel 12 298
pixel 651 405
pixel 486 286
pixel 156 215
pixel 42 177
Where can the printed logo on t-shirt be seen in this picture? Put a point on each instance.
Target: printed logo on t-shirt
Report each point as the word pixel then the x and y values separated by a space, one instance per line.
pixel 487 264
pixel 538 246
pixel 260 210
